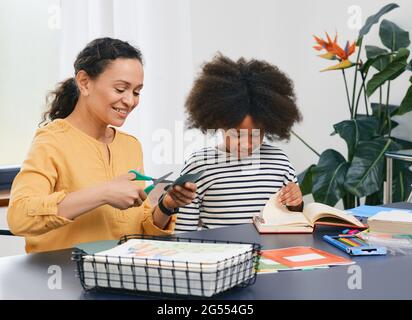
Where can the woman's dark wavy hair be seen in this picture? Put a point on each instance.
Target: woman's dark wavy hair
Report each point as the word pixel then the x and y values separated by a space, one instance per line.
pixel 93 59
pixel 226 91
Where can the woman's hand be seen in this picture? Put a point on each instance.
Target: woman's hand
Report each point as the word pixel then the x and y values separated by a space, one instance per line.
pixel 290 195
pixel 122 193
pixel 179 196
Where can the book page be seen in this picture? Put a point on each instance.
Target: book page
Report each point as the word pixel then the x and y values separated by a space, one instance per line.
pixel 316 211
pixel 275 214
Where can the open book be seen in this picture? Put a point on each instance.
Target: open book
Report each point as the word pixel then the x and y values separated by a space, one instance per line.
pixel 276 218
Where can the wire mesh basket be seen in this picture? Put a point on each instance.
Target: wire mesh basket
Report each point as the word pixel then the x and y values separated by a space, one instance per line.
pixel 168 278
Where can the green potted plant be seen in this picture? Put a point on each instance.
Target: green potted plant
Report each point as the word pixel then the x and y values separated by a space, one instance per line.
pixel 368 134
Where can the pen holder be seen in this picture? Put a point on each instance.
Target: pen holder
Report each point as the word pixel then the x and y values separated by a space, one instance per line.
pixel 354 246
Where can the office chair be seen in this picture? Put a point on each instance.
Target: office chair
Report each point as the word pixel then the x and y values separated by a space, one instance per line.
pixel 7 175
pixel 5 232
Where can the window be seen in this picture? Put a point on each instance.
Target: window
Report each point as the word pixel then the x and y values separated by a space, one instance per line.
pixel 29 62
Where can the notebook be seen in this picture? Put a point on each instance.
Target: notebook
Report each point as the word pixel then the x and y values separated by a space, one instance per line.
pixel 303 257
pixel 276 218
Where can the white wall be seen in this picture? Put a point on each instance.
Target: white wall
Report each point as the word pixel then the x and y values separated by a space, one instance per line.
pixel 176 37
pixel 281 32
pixel 28 70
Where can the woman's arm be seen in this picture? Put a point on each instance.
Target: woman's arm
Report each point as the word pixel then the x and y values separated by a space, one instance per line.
pixel 34 209
pixel 120 193
pixel 33 203
pixel 79 202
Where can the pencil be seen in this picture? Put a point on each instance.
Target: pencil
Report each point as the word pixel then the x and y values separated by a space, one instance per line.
pixel 348 242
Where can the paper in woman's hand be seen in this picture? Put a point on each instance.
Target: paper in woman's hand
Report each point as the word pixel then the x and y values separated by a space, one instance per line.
pixel 189 177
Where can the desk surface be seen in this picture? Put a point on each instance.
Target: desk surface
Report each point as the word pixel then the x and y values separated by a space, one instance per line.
pixel 387 277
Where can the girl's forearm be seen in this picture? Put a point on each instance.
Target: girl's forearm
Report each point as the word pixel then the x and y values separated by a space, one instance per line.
pixel 159 218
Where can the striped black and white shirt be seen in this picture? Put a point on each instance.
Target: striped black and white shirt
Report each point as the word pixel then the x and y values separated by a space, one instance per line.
pixel 231 190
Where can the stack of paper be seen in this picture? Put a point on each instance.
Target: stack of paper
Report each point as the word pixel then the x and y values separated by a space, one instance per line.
pixel 394 222
pixel 187 268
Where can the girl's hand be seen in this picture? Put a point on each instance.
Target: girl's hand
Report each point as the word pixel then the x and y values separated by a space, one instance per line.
pixel 180 196
pixel 290 195
pixel 122 193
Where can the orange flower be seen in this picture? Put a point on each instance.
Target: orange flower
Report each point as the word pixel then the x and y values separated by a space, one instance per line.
pixel 327 45
pixel 334 51
pixel 344 54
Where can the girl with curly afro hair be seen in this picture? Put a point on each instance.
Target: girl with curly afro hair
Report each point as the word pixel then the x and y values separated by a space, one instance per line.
pixel 246 100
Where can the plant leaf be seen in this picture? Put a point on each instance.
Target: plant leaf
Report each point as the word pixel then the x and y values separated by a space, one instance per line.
pixel 374 51
pixel 392 36
pixel 375 109
pixel 328 177
pixel 371 20
pixel 390 72
pixel 377 57
pixel 385 126
pixel 406 104
pixel 366 173
pixel 305 180
pixel 382 117
pixel 355 130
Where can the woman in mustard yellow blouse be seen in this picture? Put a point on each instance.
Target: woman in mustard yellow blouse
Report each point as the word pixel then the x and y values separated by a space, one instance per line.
pixel 74 186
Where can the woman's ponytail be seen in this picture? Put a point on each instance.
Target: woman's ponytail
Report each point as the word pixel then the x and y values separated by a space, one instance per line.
pixel 62 100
